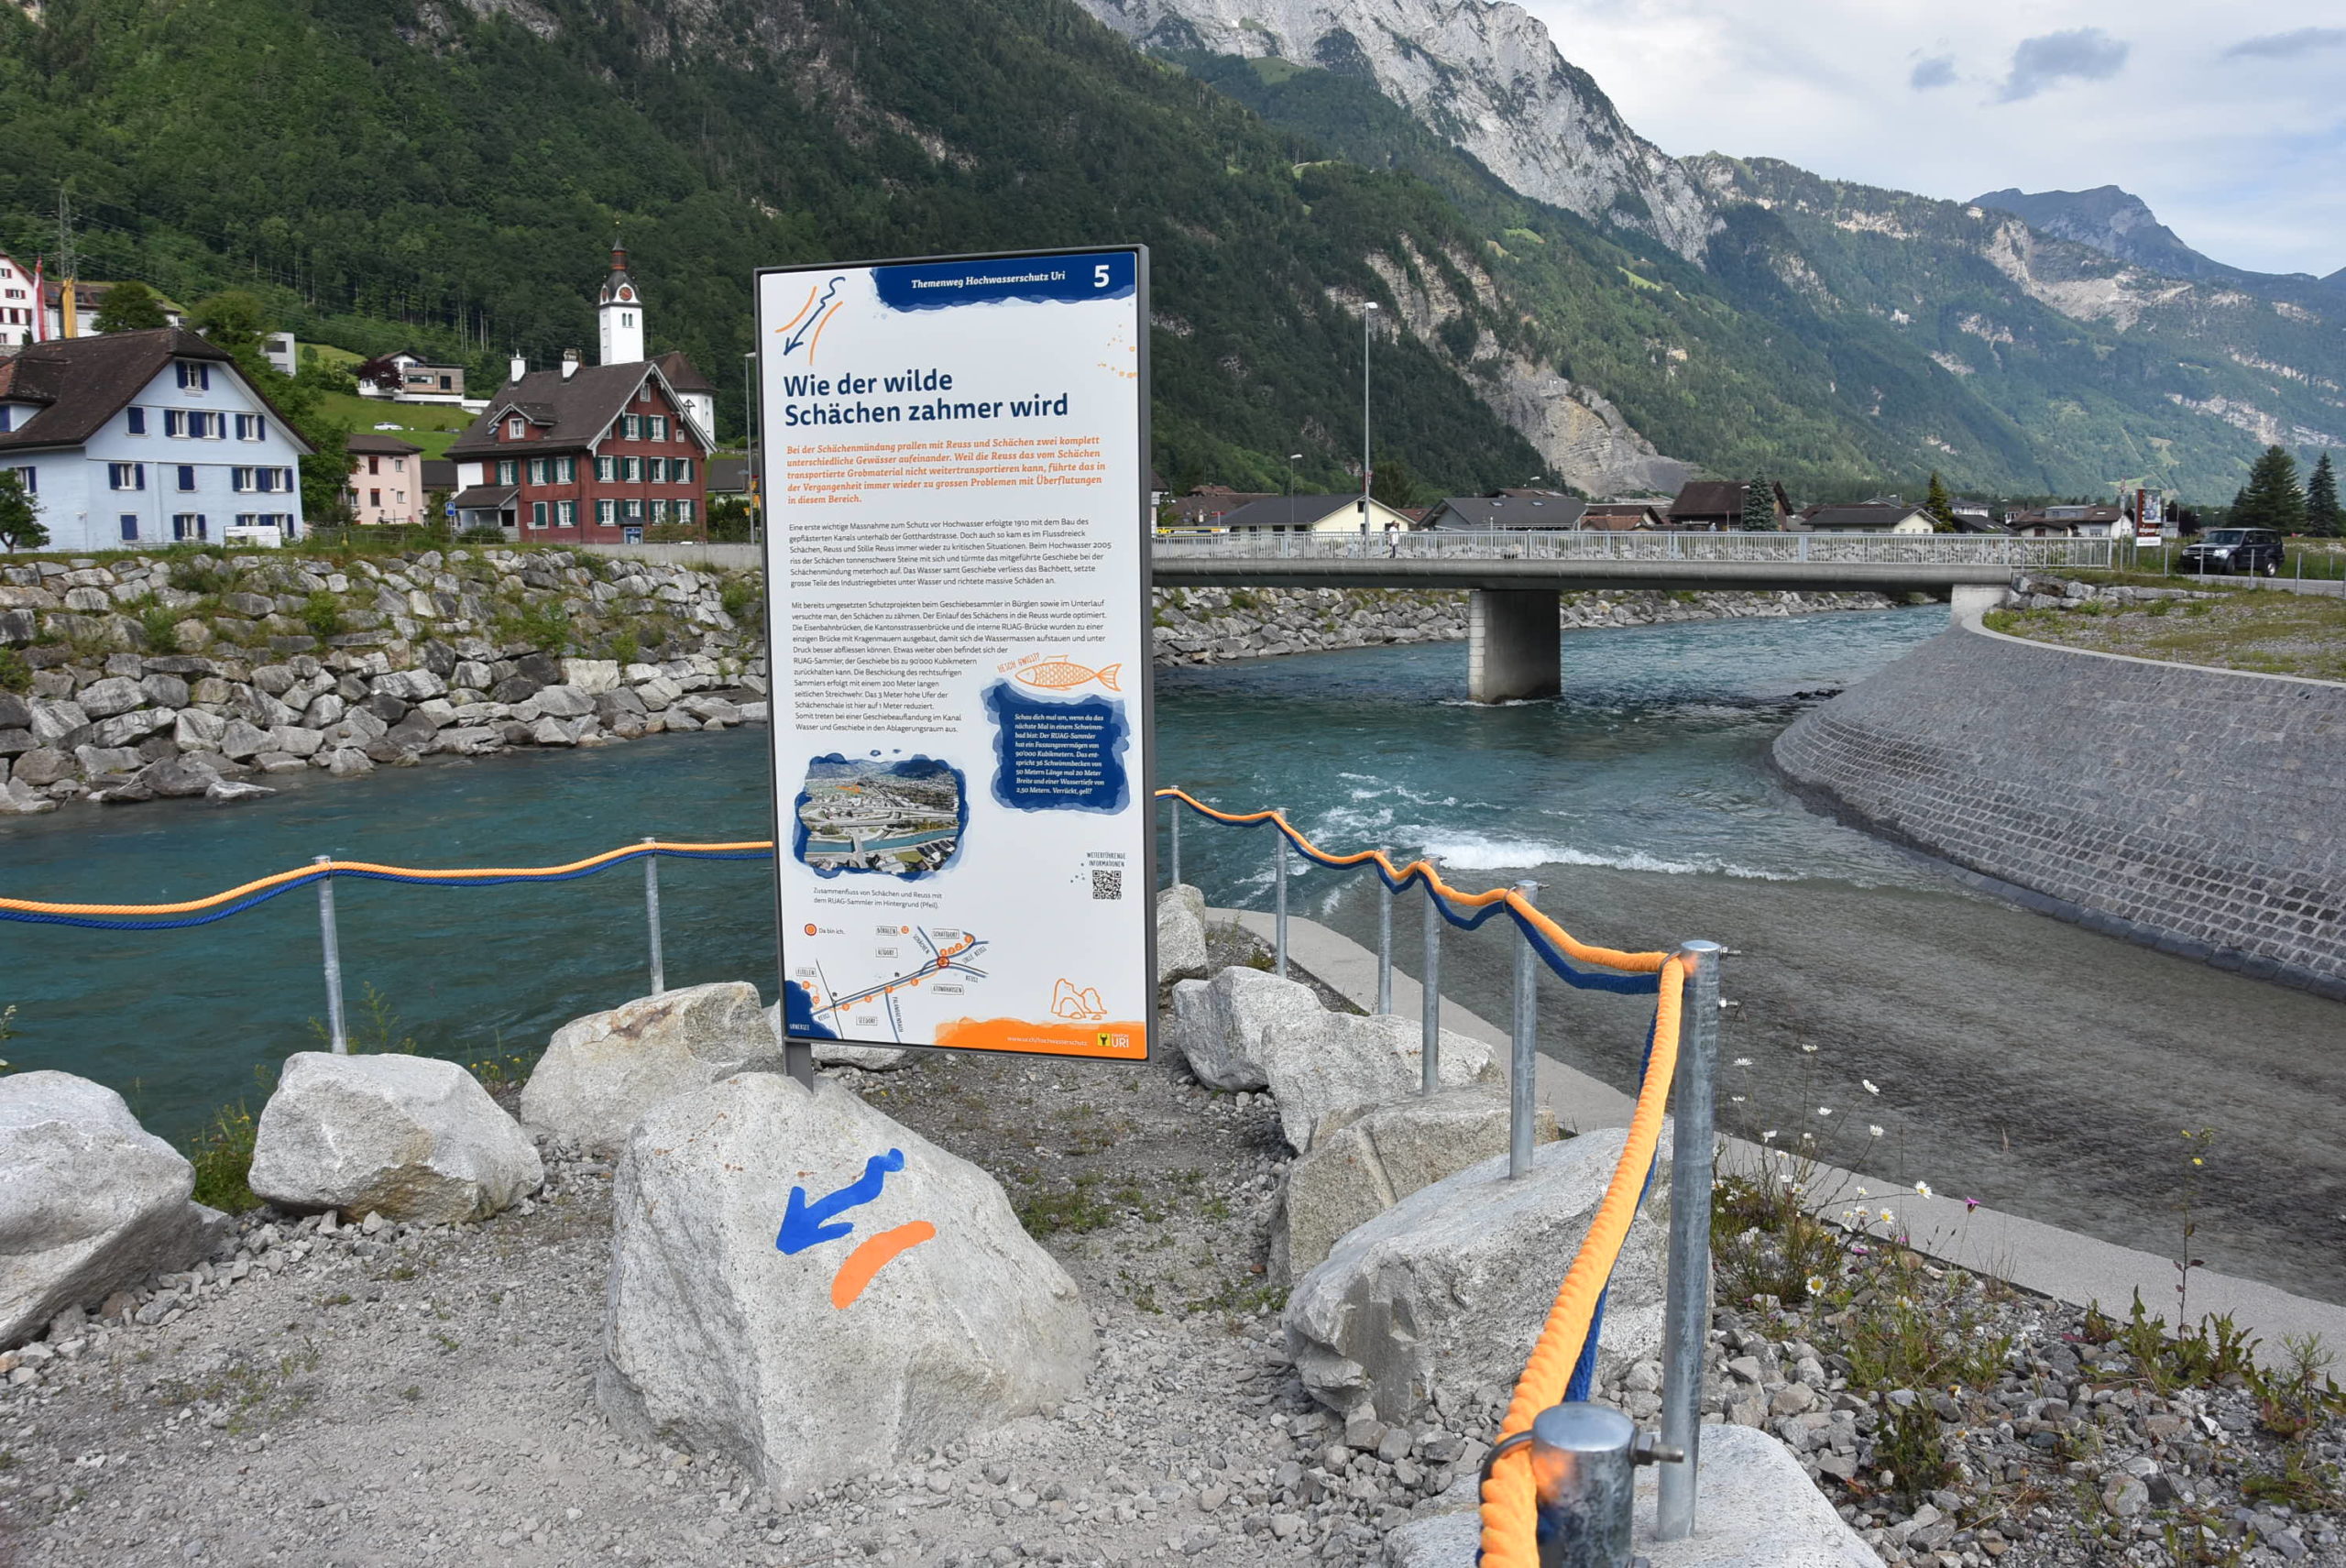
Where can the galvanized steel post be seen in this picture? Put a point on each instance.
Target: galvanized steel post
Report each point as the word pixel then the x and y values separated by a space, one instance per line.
pixel 1278 883
pixel 1384 945
pixel 341 1035
pixel 652 916
pixel 1686 1308
pixel 1430 996
pixel 1583 1465
pixel 1523 1065
pixel 1173 831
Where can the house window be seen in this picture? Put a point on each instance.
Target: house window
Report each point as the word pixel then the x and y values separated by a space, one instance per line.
pixel 631 469
pixel 189 525
pixel 28 478
pixel 537 470
pixel 681 471
pixel 659 424
pixel 241 480
pixel 631 427
pixel 187 475
pixel 207 425
pixel 632 510
pixel 374 465
pixel 399 465
pixel 8 416
pixel 659 511
pixel 194 378
pixel 684 513
pixel 508 471
pixel 375 500
pixel 569 469
pixel 251 427
pixel 174 422
pixel 606 469
pixel 566 513
pixel 537 514
pixel 513 428
pixel 130 526
pixel 444 383
pixel 134 420
pixel 603 510
pixel 126 475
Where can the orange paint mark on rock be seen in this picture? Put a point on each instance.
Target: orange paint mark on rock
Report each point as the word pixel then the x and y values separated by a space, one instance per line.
pixel 875 1254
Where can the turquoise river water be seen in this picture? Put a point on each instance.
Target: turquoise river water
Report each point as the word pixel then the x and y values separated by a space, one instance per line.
pixel 2012 1057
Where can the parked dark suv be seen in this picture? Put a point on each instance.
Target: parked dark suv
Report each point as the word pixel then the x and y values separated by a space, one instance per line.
pixel 2234 550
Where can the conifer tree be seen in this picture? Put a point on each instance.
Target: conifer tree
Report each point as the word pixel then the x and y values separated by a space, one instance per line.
pixel 2271 499
pixel 1759 505
pixel 1940 505
pixel 2323 517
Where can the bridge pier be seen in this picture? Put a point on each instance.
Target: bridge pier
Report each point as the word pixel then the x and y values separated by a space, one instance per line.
pixel 1513 645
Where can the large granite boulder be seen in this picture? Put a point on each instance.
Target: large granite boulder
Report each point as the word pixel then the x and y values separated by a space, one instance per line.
pixel 837 1053
pixel 1369 1158
pixel 1446 1290
pixel 815 1291
pixel 90 1203
pixel 602 1071
pixel 410 1137
pixel 1219 1024
pixel 1180 934
pixel 1755 1508
pixel 1325 1062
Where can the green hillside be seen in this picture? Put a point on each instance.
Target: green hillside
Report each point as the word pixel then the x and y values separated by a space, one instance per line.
pixel 398 173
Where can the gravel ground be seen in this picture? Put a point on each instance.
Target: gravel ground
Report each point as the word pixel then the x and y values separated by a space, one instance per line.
pixel 346 1397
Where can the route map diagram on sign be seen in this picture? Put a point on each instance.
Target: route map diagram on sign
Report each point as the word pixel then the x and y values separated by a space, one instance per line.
pixel 912 961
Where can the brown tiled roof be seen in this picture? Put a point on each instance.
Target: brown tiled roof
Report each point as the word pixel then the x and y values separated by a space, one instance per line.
pixel 1858 514
pixel 572 412
pixel 83 382
pixel 682 374
pixel 374 443
pixel 1709 497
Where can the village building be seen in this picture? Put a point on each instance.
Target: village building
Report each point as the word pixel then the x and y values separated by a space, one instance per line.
pixel 1624 517
pixel 2071 522
pixel 1206 506
pixel 1507 508
pixel 1313 514
pixel 386 479
pixel 20 290
pixel 1866 516
pixel 589 454
pixel 1715 506
pixel 148 437
pixel 407 377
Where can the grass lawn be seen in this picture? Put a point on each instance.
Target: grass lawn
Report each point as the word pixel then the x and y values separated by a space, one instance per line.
pixel 2271 633
pixel 430 425
pixel 2307 558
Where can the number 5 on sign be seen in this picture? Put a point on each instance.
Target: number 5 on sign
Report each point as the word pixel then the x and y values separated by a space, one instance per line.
pixel 1099 276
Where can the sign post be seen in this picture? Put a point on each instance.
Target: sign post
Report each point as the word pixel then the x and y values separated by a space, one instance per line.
pixel 954 467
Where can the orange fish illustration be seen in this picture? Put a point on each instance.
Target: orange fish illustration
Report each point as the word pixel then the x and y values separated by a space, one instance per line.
pixel 1059 675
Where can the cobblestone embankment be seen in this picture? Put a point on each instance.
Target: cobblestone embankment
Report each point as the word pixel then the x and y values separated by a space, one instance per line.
pixel 2187 808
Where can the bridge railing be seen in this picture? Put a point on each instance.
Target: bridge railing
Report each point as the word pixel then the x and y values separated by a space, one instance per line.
pixel 1597 544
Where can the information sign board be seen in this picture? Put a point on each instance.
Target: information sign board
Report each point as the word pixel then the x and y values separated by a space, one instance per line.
pixel 954 458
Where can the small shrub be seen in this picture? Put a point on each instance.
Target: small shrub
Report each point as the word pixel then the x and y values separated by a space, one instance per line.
pixel 15 676
pixel 157 627
pixel 738 596
pixel 222 1156
pixel 626 649
pixel 202 575
pixel 321 613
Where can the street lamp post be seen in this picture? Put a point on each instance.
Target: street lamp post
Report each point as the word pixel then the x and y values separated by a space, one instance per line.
pixel 750 426
pixel 1365 322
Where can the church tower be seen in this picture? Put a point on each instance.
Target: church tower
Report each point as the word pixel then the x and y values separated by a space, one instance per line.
pixel 621 308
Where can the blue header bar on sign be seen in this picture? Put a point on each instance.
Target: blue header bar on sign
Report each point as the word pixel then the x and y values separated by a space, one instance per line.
pixel 938 285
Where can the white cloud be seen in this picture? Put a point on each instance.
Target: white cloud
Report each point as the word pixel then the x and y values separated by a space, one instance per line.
pixel 2232 135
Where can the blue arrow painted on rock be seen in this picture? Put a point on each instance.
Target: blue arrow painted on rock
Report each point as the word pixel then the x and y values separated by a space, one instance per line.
pixel 803 1225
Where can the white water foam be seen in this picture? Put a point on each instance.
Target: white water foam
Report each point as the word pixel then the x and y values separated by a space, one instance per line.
pixel 1471 853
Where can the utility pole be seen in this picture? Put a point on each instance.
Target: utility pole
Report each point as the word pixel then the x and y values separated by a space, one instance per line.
pixel 1366 316
pixel 68 264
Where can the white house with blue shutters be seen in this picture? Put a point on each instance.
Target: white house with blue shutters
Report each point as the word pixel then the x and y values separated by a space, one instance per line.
pixel 144 438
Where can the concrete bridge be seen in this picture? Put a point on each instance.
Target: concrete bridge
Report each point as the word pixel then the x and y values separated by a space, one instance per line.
pixel 1514 577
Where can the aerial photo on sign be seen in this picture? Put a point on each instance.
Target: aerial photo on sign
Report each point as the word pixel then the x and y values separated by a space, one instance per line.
pixel 865 814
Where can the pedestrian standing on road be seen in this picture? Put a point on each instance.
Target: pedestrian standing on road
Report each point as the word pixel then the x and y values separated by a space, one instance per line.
pixel 1392 538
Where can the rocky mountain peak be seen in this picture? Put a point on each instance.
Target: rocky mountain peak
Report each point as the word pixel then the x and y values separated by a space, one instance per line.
pixel 1482 72
pixel 2115 221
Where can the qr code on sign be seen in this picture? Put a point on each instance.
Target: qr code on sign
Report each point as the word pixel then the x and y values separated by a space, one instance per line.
pixel 1108 884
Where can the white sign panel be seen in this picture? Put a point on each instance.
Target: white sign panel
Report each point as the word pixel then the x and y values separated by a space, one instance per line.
pixel 955 464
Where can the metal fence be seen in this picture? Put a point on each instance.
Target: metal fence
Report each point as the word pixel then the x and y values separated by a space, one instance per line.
pixel 1557 1489
pixel 1575 544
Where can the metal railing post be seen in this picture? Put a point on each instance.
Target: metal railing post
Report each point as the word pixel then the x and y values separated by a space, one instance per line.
pixel 1523 1062
pixel 1430 997
pixel 1173 829
pixel 1686 1308
pixel 1583 1460
pixel 652 916
pixel 1384 945
pixel 340 1034
pixel 1278 885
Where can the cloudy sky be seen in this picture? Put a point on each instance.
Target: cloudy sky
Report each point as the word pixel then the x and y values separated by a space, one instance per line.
pixel 2230 120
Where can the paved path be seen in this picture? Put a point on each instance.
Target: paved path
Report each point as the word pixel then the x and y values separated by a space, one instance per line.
pixel 2036 1256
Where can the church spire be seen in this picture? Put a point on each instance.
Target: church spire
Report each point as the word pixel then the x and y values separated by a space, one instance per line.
pixel 620 309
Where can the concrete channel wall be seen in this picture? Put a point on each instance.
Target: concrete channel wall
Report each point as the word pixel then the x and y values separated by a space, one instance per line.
pixel 2193 809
